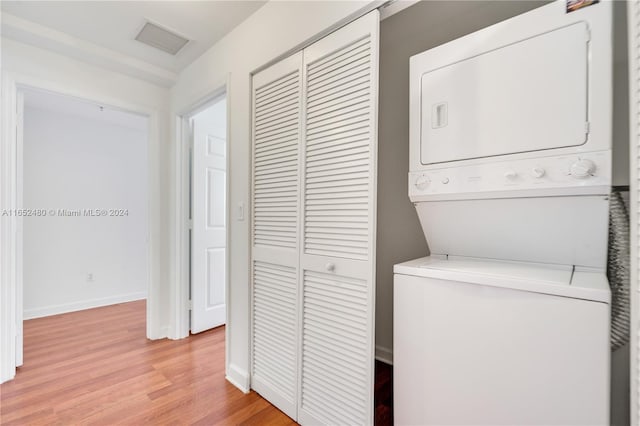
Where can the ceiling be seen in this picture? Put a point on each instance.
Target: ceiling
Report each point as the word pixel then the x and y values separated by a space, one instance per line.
pixel 109 28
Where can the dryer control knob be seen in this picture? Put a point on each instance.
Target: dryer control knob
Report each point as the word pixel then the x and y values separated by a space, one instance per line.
pixel 422 182
pixel 582 169
pixel 511 174
pixel 537 172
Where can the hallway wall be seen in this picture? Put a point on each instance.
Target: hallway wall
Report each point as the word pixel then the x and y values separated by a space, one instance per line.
pixel 73 163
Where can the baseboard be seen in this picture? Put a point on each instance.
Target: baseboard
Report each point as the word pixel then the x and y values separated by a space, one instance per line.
pixel 238 378
pixel 384 354
pixel 163 333
pixel 80 306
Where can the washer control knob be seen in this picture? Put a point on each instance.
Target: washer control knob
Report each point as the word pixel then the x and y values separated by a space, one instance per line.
pixel 510 175
pixel 422 182
pixel 582 169
pixel 537 172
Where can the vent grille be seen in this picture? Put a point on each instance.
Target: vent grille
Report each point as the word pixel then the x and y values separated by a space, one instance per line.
pixel 161 38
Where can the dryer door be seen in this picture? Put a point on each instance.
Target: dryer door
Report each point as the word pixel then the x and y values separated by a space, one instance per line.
pixel 526 96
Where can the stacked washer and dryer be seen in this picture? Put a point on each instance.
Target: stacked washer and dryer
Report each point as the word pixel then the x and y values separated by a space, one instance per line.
pixel 507 321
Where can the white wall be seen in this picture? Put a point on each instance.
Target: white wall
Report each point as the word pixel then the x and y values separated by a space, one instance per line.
pixel 72 162
pixel 211 121
pixel 273 30
pixel 40 68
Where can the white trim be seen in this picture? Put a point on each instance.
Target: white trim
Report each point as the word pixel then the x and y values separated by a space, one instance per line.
pixel 384 354
pixel 372 5
pixel 7 232
pixel 80 306
pixel 39 35
pixel 238 378
pixel 179 322
pixel 11 83
pixel 394 6
pixel 179 286
pixel 19 224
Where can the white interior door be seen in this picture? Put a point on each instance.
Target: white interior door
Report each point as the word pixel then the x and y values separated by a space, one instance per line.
pixel 208 241
pixel 275 242
pixel 337 265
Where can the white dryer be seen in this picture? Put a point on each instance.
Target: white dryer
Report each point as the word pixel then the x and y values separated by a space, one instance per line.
pixel 507 322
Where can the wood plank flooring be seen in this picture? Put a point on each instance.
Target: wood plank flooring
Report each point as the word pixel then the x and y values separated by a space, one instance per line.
pixel 96 367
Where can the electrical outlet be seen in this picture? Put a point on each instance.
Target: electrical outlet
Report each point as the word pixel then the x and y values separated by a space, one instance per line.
pixel 90 277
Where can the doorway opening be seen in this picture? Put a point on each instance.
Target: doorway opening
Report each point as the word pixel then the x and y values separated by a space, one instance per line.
pixel 82 190
pixel 207 214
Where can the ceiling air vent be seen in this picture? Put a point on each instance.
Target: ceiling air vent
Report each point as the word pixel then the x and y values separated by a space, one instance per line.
pixel 161 38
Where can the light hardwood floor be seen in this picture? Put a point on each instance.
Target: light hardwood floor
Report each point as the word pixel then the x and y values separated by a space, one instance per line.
pixel 97 367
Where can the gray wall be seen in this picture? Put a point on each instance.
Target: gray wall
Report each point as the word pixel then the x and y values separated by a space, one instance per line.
pixel 420 27
pixel 620 415
pixel 620 95
pixel 416 29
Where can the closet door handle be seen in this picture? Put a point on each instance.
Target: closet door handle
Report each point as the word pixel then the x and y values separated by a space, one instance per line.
pixel 331 267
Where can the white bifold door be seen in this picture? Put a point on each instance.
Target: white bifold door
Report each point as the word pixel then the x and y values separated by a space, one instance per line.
pixel 314 201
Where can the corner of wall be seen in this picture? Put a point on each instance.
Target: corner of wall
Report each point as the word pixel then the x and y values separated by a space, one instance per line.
pixel 238 378
pixel 384 354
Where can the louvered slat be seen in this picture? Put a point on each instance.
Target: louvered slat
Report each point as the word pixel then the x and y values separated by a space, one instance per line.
pixel 274 327
pixel 276 139
pixel 335 321
pixel 337 151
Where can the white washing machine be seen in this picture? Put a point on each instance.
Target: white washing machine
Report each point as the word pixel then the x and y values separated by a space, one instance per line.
pixel 507 322
pixel 481 342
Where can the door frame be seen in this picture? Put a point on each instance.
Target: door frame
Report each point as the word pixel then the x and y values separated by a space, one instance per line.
pixel 179 326
pixel 11 314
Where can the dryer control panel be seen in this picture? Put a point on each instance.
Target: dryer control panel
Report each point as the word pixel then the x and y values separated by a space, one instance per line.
pixel 523 105
pixel 583 174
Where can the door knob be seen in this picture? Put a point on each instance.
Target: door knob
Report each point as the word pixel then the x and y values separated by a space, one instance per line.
pixel 331 267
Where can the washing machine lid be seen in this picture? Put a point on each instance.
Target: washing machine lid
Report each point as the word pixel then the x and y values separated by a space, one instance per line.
pixel 560 280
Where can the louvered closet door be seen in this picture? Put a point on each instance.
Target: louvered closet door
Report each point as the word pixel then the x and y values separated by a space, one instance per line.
pixel 276 209
pixel 338 229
